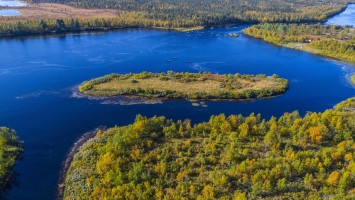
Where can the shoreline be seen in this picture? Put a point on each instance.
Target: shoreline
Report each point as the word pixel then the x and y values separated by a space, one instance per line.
pixel 312 51
pixel 179 29
pixel 162 100
pixel 69 158
pixel 187 86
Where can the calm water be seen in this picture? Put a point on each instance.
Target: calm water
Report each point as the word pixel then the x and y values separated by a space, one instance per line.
pixel 37 76
pixel 345 18
pixel 11 3
pixel 9 12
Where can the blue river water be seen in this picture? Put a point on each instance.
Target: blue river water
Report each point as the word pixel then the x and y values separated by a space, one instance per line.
pixel 345 18
pixel 37 77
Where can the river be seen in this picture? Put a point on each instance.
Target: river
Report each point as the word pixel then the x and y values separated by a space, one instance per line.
pixel 345 18
pixel 37 77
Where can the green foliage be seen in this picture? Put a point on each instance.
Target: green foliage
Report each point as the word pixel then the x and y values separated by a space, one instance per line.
pixel 333 41
pixel 233 157
pixel 10 150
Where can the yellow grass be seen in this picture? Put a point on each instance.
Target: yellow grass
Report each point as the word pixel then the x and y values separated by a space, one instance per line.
pixel 196 28
pixel 303 47
pixel 208 86
pixel 58 11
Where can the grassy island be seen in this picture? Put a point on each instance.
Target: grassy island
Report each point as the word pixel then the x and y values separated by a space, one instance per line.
pixel 232 157
pixel 186 85
pixel 332 41
pixel 10 151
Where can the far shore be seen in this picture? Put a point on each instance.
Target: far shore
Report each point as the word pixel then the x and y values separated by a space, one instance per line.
pixel 53 11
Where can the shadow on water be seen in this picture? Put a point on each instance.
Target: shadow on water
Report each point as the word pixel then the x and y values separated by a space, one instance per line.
pixel 11 182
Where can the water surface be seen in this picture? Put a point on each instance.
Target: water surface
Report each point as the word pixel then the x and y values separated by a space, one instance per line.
pixel 10 3
pixel 345 18
pixel 37 76
pixel 9 12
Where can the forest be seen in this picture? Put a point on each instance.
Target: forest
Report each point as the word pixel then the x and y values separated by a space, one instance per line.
pixel 10 152
pixel 173 14
pixel 332 41
pixel 212 12
pixel 227 157
pixel 186 85
pixel 50 26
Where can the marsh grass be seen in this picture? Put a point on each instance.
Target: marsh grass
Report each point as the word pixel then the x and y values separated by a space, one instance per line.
pixel 186 85
pixel 352 79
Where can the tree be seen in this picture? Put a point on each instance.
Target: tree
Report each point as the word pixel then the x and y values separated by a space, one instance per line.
pixel 333 178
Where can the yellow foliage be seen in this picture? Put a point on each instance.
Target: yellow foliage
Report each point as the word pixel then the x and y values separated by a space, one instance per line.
pixel 208 192
pixel 104 163
pixel 181 175
pixel 239 195
pixel 348 157
pixel 333 178
pixel 316 134
pixel 136 153
pixel 243 130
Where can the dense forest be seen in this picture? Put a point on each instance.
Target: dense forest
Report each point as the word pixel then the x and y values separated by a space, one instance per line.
pixel 234 157
pixel 173 14
pixel 211 12
pixel 10 151
pixel 333 41
pixel 186 85
pixel 31 27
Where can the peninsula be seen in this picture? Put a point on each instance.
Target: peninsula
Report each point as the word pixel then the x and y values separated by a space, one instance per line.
pixel 332 41
pixel 227 157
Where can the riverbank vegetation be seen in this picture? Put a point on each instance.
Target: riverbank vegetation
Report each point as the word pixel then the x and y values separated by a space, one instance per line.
pixel 332 41
pixel 166 14
pixel 228 157
pixel 10 151
pixel 352 78
pixel 186 85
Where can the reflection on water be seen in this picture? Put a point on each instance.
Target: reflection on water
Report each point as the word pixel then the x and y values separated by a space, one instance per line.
pixel 9 12
pixel 345 18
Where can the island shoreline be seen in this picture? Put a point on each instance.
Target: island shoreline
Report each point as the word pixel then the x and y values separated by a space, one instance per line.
pixel 69 158
pixel 186 86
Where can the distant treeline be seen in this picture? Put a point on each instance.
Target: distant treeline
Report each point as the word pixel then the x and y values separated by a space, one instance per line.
pixel 333 41
pixel 207 12
pixel 173 14
pixel 45 26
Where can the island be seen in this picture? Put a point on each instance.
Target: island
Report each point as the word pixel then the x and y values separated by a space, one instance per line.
pixel 227 157
pixel 332 41
pixel 10 150
pixel 186 85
